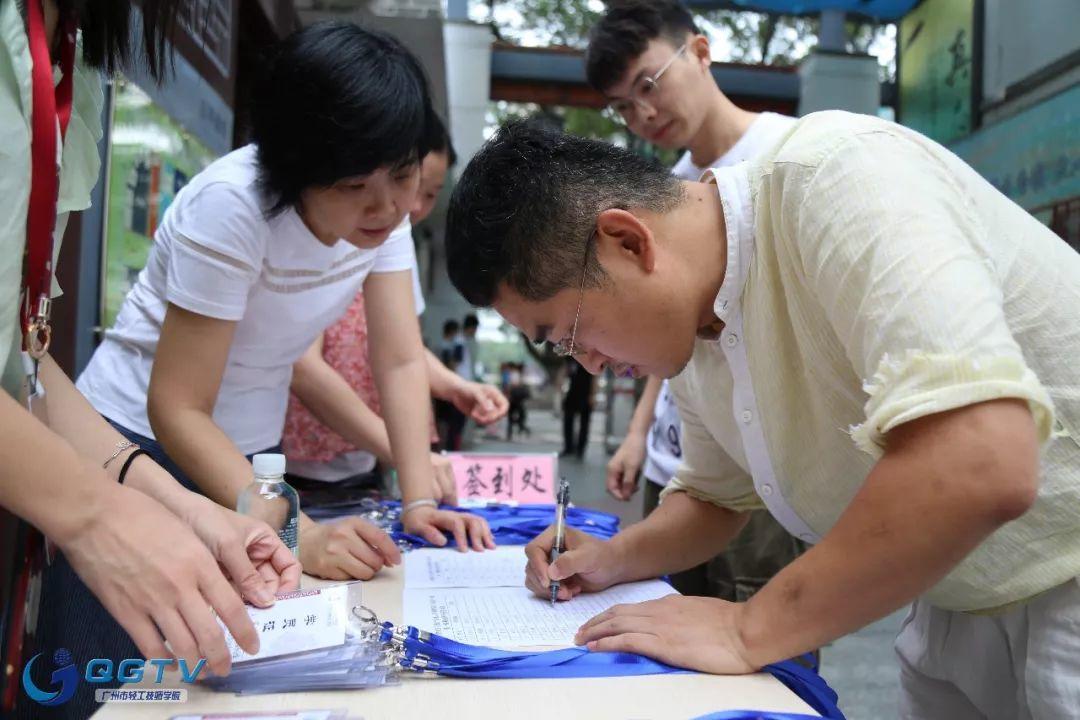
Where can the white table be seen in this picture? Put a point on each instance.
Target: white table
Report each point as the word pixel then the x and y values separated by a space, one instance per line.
pixel 426 698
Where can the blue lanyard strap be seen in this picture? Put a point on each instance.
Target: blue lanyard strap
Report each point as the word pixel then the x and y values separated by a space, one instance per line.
pixel 579 664
pixel 510 524
pixel 755 715
pixel 427 652
pixel 808 685
pixel 563 663
pixel 519 524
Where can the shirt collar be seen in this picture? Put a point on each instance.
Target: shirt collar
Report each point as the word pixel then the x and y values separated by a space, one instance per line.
pixel 733 185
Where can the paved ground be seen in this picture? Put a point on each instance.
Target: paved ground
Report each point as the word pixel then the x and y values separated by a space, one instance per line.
pixel 860 667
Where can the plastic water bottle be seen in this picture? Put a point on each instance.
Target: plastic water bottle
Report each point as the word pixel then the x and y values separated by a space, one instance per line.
pixel 272 500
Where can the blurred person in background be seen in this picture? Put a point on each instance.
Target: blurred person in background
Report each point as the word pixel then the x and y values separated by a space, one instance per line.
pixel 577 405
pixel 519 393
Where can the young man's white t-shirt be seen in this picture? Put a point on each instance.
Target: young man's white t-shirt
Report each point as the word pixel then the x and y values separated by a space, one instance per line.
pixel 766 130
pixel 217 254
pixel 663 446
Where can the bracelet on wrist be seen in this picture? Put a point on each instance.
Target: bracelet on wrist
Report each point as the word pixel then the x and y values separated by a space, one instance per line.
pixel 120 447
pixel 127 463
pixel 425 502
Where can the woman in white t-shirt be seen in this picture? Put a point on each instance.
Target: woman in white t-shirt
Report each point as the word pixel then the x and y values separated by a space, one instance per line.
pixel 262 251
pixel 337 367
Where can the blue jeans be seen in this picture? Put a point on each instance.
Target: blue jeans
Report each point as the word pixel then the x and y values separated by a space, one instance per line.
pixel 154 450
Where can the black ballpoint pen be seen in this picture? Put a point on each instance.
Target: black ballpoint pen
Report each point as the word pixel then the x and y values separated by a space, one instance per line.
pixel 562 500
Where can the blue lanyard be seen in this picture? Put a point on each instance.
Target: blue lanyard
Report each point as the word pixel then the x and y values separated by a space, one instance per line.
pixel 755 715
pixel 427 652
pixel 510 524
pixel 808 684
pixel 434 653
pixel 520 524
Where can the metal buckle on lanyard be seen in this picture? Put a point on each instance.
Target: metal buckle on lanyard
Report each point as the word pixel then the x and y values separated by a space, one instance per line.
pixel 396 651
pixel 38 330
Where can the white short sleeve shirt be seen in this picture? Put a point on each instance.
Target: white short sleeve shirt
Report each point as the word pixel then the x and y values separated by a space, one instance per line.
pixel 219 255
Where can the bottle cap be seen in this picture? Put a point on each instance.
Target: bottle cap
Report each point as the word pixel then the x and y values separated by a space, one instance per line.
pixel 267 464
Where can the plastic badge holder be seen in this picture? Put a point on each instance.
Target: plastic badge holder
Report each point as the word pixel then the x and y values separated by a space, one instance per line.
pixel 357 660
pixel 353 665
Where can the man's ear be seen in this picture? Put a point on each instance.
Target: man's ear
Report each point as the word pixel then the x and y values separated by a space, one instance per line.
pixel 698 48
pixel 622 236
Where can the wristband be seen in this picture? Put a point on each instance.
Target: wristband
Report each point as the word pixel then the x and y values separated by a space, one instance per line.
pixel 127 463
pixel 425 502
pixel 120 447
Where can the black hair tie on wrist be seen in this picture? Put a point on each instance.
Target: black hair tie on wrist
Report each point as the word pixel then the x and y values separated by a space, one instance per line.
pixel 127 463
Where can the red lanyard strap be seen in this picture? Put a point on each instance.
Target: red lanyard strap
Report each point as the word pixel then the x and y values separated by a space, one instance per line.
pixel 50 105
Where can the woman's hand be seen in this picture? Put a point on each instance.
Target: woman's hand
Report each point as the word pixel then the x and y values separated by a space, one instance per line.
pixel 468 530
pixel 483 403
pixel 157 578
pixel 346 549
pixel 443 486
pixel 253 557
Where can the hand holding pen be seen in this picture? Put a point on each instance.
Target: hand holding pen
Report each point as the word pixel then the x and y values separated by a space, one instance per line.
pixel 562 500
pixel 584 563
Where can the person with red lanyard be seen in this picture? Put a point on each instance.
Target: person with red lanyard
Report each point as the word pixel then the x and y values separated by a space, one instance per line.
pixel 338 366
pixel 154 557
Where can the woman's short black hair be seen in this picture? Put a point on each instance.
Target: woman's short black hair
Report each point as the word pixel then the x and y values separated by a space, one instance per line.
pixel 106 31
pixel 439 141
pixel 336 100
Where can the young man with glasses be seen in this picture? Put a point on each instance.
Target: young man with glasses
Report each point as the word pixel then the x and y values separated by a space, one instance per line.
pixel 653 65
pixel 868 338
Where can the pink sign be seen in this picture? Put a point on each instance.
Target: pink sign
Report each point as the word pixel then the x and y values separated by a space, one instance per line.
pixel 523 478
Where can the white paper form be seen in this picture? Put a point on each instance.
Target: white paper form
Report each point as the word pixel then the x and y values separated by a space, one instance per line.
pixel 441 568
pixel 511 617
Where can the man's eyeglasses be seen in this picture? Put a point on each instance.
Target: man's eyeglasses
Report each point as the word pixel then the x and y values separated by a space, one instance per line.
pixel 626 108
pixel 561 348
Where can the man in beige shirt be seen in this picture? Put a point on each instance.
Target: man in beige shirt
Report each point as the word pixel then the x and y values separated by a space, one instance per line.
pixel 870 341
